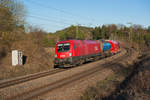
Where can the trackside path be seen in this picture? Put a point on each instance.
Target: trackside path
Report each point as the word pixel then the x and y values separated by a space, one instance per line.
pixel 22 79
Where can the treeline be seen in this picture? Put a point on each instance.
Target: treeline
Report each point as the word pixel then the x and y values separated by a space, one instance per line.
pixel 72 32
pixel 135 34
pixel 13 28
pixel 12 21
pixel 16 35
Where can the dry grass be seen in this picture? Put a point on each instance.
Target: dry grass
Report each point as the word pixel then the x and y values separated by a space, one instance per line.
pixel 106 87
pixel 102 88
pixel 137 85
pixel 134 86
pixel 37 60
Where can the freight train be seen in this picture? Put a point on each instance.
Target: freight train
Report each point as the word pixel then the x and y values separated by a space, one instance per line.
pixel 77 52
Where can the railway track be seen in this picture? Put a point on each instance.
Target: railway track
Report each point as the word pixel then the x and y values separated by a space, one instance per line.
pixel 19 80
pixel 28 78
pixel 52 86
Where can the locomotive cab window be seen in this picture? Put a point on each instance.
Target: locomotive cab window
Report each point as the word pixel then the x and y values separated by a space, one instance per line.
pixel 63 47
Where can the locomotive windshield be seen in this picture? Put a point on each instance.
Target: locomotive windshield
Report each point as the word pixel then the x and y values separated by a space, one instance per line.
pixel 63 47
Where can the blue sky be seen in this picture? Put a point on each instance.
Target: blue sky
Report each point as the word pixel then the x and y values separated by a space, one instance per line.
pixel 53 15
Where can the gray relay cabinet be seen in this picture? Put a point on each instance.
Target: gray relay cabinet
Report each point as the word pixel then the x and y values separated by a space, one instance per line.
pixel 17 57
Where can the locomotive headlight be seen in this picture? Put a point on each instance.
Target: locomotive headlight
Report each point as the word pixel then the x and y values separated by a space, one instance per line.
pixel 55 56
pixel 70 54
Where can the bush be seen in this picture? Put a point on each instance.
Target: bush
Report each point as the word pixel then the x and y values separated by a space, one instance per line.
pixel 90 94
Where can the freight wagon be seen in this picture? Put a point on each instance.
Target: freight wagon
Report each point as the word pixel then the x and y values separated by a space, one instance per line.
pixel 77 52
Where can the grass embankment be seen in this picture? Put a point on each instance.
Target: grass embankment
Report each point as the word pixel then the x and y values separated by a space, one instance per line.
pixel 105 87
pixel 132 83
pixel 36 59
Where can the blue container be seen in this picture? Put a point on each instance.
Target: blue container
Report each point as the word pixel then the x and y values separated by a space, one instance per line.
pixel 106 46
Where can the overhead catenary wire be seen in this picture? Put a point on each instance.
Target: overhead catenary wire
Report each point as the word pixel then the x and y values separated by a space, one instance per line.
pixel 50 7
pixel 49 19
pixel 61 11
pixel 40 18
pixel 53 17
pixel 7 23
pixel 39 5
pixel 37 24
pixel 46 19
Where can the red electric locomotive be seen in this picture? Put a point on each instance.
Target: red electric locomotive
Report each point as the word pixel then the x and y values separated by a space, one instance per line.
pixel 74 52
